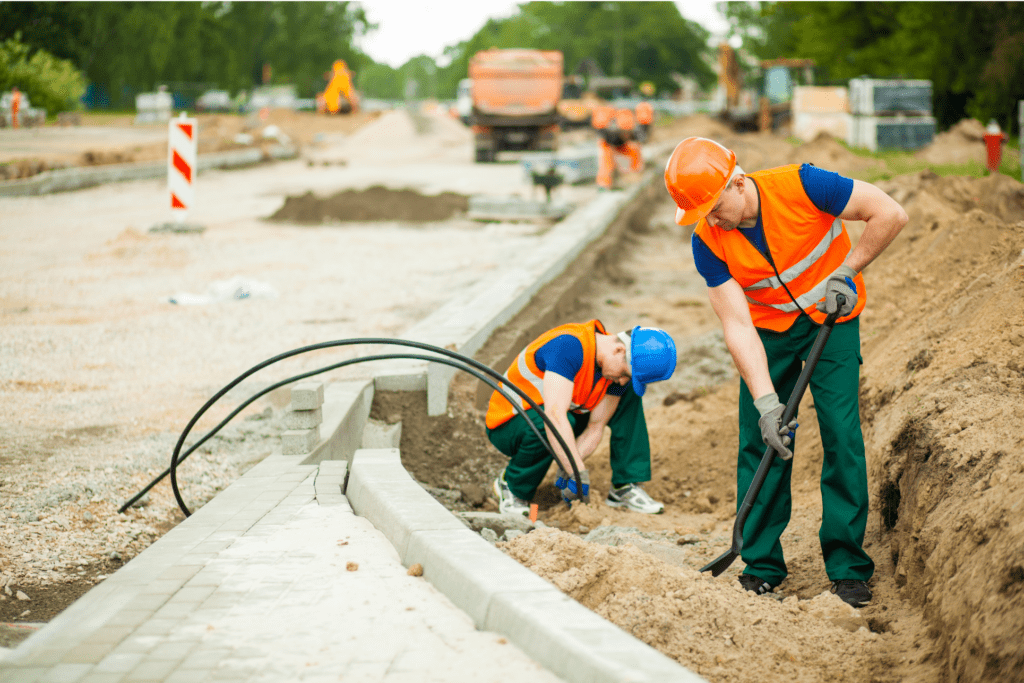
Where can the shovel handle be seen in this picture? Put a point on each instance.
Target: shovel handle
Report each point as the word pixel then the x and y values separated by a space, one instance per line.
pixel 791 407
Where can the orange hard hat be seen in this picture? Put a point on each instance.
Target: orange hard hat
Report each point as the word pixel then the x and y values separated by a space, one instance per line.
pixel 624 119
pixel 602 116
pixel 644 113
pixel 696 175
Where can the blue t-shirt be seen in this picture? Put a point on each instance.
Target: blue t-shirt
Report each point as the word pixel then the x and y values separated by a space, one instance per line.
pixel 829 191
pixel 563 356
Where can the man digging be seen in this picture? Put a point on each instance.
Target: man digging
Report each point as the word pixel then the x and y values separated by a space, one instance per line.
pixel 584 379
pixel 774 252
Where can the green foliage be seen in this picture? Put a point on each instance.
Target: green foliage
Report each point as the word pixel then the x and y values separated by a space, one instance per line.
pixel 382 81
pixel 973 52
pixel 647 41
pixel 131 47
pixel 898 162
pixel 51 83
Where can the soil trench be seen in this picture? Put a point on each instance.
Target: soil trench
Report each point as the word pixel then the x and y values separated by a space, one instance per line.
pixel 942 340
pixel 941 390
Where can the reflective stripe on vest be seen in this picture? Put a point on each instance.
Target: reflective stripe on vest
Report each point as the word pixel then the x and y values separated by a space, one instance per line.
pixel 805 243
pixel 815 294
pixel 525 374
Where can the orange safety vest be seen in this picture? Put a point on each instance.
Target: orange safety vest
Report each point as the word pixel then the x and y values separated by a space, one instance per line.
pixel 601 116
pixel 525 374
pixel 625 120
pixel 644 113
pixel 806 244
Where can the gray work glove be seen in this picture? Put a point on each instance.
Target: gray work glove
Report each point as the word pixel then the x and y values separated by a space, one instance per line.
pixel 562 480
pixel 773 432
pixel 570 493
pixel 840 282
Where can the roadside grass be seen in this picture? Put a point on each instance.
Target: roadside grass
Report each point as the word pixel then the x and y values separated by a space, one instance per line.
pixel 899 162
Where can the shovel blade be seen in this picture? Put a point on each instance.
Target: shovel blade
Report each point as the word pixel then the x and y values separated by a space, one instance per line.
pixel 721 563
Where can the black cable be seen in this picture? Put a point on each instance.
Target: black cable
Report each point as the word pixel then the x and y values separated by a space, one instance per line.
pixel 311 373
pixel 348 342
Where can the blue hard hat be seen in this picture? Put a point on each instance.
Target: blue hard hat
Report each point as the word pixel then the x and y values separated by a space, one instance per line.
pixel 652 357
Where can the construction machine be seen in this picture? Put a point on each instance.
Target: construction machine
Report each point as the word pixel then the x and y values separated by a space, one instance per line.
pixel 515 100
pixel 766 107
pixel 576 106
pixel 778 76
pixel 340 97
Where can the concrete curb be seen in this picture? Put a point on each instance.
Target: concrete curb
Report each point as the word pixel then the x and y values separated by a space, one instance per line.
pixel 497 592
pixel 68 179
pixel 469 319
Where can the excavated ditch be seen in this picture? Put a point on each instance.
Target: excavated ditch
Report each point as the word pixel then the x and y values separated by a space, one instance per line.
pixel 943 342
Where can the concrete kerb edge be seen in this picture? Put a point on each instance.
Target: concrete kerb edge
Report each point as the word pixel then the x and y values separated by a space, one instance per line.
pixel 69 179
pixel 495 591
pixel 438 329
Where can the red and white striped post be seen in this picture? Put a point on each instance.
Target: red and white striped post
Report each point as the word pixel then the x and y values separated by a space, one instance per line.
pixel 181 165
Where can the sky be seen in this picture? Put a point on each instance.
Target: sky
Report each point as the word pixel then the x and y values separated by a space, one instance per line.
pixel 408 29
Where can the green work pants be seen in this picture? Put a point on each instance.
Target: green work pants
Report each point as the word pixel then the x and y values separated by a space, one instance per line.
pixel 844 484
pixel 529 459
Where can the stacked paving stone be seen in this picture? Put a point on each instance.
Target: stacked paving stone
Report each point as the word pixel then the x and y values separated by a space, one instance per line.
pixel 303 419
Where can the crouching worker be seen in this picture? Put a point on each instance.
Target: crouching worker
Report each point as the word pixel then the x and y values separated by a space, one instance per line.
pixel 584 379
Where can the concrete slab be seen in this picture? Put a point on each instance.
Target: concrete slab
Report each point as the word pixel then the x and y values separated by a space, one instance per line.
pixel 577 644
pixel 322 596
pixel 381 490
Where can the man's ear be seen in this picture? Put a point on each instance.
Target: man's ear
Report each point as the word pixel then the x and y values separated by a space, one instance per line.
pixel 739 182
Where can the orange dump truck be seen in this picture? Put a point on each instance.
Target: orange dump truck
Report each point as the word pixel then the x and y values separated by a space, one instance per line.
pixel 515 100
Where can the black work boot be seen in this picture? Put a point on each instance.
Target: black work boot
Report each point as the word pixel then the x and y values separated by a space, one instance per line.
pixel 852 591
pixel 755 584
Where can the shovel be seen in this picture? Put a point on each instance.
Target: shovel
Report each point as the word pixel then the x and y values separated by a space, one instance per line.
pixel 722 563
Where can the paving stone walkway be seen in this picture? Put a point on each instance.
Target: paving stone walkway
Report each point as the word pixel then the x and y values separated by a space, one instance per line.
pixel 280 581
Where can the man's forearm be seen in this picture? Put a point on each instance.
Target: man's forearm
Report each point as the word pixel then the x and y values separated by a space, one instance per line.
pixel 879 232
pixel 750 359
pixel 565 430
pixel 589 440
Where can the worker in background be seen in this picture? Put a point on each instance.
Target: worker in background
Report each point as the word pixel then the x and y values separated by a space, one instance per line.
pixel 775 254
pixel 584 379
pixel 616 130
pixel 644 119
pixel 15 106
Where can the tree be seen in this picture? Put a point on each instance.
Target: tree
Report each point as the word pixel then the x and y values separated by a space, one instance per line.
pixel 973 52
pixel 647 41
pixel 51 83
pixel 131 47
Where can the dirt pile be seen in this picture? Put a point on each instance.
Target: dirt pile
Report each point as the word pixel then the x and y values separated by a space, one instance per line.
pixel 711 627
pixel 376 203
pixel 962 143
pixel 942 402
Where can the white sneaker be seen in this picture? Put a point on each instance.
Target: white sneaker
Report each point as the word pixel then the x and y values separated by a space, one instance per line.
pixel 508 503
pixel 632 497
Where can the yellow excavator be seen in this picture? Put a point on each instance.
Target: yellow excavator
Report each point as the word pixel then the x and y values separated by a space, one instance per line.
pixel 339 97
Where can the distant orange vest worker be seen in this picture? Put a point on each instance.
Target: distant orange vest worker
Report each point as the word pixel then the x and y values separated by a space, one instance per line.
pixel 615 129
pixel 644 113
pixel 806 245
pixel 15 106
pixel 525 374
